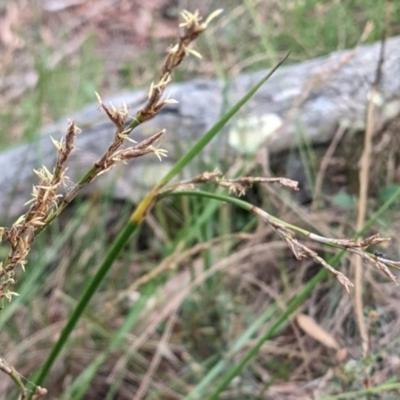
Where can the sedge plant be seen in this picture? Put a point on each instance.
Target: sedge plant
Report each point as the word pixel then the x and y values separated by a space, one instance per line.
pixel 47 204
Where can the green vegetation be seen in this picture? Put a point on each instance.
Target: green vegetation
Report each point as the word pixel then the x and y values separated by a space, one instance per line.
pixel 203 302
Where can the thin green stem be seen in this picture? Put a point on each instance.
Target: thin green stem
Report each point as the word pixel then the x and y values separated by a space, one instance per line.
pixel 248 207
pixel 135 220
pixel 204 140
pixel 381 389
pixel 90 290
pixel 295 302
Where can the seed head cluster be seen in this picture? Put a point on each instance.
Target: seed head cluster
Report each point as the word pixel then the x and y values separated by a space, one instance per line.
pixel 47 202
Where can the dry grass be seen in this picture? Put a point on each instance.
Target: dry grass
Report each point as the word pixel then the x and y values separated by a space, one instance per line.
pixel 204 295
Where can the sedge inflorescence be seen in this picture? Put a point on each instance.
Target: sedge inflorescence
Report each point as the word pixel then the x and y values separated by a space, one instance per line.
pixel 47 202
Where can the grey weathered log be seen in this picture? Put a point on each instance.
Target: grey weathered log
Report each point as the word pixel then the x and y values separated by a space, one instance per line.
pixel 310 99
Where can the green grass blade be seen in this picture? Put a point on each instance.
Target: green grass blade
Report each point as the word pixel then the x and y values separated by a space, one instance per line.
pixel 136 218
pixel 293 304
pixel 205 139
pixel 80 385
pixel 221 365
pixel 90 290
pixel 359 394
pixel 283 318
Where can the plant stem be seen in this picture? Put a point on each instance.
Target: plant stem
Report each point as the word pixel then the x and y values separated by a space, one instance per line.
pixel 135 220
pixel 92 287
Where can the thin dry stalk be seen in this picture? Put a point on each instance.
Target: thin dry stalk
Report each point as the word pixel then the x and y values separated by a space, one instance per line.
pixel 9 370
pixel 172 305
pixel 237 186
pixel 287 231
pixel 363 198
pixel 325 163
pixel 156 359
pixel 177 258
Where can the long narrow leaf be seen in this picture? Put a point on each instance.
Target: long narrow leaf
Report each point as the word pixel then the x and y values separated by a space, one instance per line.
pixel 293 304
pixel 135 220
pixel 204 140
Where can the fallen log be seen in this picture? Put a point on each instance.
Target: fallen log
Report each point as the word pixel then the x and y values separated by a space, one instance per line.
pixel 310 100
